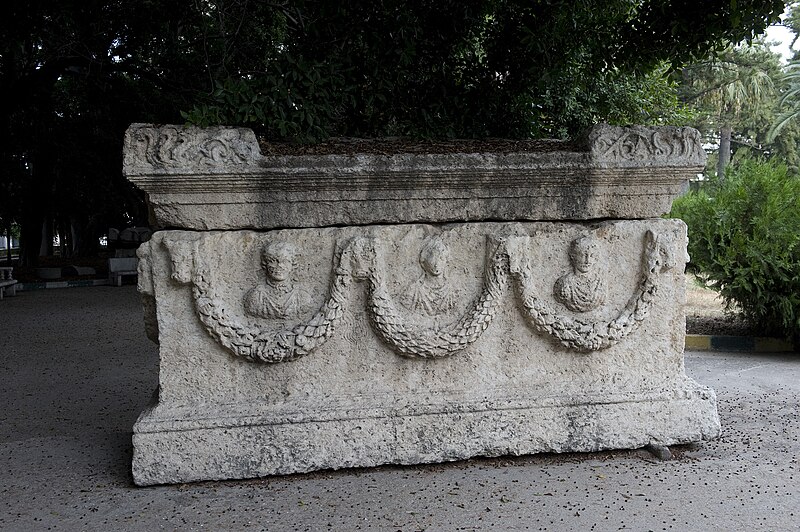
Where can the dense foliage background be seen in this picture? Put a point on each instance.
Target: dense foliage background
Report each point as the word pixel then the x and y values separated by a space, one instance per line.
pixel 75 73
pixel 460 68
pixel 744 240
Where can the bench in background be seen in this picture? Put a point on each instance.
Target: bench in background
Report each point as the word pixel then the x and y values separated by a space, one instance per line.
pixel 121 266
pixel 8 285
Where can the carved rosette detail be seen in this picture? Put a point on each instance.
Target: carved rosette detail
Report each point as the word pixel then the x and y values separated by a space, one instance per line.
pixel 583 335
pixel 361 260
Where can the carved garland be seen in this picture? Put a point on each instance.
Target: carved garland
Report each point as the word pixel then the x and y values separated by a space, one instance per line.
pixel 361 260
pixel 594 336
pixel 393 329
pixel 255 344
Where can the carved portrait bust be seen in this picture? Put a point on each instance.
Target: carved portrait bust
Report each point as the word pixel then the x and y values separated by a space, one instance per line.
pixel 583 289
pixel 431 294
pixel 279 297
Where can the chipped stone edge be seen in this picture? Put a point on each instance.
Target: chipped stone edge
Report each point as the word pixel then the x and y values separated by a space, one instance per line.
pixel 151 150
pixel 256 446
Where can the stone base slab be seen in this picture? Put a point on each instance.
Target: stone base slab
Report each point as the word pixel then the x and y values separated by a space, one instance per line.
pixel 169 447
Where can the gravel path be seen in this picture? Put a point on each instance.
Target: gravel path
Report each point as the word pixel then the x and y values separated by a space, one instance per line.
pixel 77 370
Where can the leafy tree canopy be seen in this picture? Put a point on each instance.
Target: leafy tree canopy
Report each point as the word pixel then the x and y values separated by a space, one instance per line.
pixel 75 73
pixel 456 68
pixel 735 94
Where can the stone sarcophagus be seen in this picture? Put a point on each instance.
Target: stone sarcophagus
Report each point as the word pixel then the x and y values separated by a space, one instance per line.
pixel 328 311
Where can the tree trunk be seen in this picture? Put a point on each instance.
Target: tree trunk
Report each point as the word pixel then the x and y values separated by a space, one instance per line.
pixel 46 246
pixel 84 243
pixel 31 238
pixel 10 238
pixel 724 150
pixel 37 218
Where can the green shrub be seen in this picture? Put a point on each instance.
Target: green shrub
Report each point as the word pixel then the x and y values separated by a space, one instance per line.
pixel 744 239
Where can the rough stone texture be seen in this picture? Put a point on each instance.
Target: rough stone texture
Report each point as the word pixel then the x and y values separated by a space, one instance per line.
pixel 310 346
pixel 217 178
pixel 302 349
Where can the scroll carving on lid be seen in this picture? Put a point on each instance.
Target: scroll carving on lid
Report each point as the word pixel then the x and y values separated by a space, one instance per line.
pixel 178 149
pixel 669 146
pixel 218 179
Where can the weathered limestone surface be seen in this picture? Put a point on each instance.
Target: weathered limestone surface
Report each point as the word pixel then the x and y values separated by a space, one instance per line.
pixel 216 178
pixel 299 349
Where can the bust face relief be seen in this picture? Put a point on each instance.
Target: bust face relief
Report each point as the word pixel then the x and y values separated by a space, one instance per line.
pixel 433 257
pixel 583 253
pixel 278 261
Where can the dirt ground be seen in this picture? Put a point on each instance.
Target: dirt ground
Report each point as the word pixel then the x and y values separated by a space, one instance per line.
pixel 706 314
pixel 77 369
